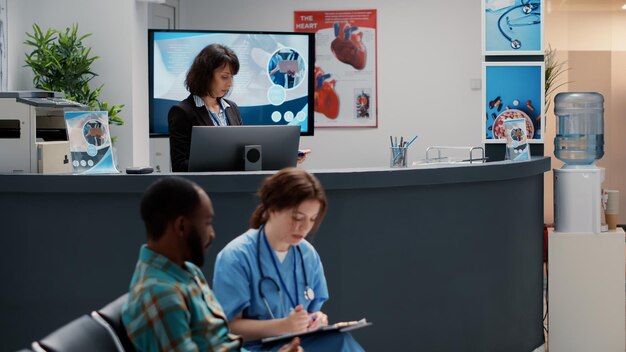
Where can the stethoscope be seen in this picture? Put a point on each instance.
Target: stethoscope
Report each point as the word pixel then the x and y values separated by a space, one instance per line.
pixel 309 294
pixel 527 8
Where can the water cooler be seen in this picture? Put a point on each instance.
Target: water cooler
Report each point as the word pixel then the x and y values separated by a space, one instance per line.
pixel 585 265
pixel 579 143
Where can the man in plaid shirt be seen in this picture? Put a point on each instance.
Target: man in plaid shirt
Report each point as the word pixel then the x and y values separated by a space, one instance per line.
pixel 170 305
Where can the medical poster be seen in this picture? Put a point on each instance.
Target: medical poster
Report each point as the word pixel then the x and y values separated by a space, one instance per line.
pixel 512 27
pixel 345 66
pixel 90 142
pixel 513 90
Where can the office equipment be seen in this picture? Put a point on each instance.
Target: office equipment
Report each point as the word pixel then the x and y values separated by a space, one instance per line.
pixel 139 170
pixel 222 148
pixel 25 117
pixel 466 155
pixel 261 101
pixel 53 157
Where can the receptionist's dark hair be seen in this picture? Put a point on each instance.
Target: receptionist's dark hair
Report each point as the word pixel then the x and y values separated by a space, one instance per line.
pixel 287 189
pixel 164 201
pixel 212 57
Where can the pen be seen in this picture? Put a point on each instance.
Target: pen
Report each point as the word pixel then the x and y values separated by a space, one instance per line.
pixel 411 142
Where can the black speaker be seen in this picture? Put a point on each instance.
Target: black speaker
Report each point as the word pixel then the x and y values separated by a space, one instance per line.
pixel 253 158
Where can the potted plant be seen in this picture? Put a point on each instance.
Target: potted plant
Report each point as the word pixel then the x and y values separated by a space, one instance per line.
pixel 554 69
pixel 61 63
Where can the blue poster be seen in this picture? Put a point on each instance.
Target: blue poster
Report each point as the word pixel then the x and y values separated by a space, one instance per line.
pixel 513 27
pixel 90 142
pixel 513 91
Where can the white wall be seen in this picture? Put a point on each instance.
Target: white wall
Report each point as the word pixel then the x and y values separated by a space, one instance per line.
pixel 119 38
pixel 427 53
pixel 592 42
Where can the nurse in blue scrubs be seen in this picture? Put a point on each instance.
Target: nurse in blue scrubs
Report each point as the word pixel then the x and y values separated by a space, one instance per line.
pixel 270 280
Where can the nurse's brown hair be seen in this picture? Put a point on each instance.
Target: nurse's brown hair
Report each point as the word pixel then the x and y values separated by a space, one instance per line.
pixel 286 189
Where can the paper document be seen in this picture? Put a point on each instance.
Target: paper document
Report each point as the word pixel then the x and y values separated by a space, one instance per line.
pixel 341 327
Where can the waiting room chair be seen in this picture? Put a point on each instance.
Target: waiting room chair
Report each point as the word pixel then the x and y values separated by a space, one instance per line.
pixel 111 314
pixel 80 335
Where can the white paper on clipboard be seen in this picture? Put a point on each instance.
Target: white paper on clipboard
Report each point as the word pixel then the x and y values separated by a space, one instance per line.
pixel 341 327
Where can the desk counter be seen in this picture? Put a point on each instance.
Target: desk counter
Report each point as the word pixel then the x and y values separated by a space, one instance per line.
pixel 439 258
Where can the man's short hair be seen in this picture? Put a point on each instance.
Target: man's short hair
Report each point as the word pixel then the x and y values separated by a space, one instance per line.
pixel 164 201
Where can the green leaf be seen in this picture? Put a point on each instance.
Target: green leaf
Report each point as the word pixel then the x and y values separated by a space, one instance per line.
pixel 61 62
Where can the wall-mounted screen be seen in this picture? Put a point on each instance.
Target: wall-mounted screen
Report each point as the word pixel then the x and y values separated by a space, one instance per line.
pixel 274 85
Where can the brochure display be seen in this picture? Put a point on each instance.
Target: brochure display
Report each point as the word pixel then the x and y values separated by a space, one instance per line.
pixel 513 90
pixel 512 27
pixel 345 66
pixel 90 142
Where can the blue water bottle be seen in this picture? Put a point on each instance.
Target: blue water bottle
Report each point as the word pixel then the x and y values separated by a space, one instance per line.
pixel 579 137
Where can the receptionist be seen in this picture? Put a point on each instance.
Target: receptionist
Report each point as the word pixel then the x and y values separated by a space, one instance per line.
pixel 209 79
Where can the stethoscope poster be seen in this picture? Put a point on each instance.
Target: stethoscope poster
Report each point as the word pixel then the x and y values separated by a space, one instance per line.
pixel 345 66
pixel 512 27
pixel 513 90
pixel 90 142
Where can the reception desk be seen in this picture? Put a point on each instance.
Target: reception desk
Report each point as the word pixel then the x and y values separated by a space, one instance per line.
pixel 438 258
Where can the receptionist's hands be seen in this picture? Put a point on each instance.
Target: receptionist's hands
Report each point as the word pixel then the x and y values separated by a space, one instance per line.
pixel 302 154
pixel 297 321
pixel 317 319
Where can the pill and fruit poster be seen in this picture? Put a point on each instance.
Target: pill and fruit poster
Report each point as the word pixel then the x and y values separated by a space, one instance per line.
pixel 513 90
pixel 345 66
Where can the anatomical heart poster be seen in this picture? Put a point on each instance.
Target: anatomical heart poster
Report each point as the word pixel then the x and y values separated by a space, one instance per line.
pixel 345 66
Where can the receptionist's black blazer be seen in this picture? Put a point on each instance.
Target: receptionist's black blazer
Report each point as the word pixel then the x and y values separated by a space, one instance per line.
pixel 181 118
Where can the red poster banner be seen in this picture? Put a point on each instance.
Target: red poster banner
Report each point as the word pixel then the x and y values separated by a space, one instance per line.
pixel 345 66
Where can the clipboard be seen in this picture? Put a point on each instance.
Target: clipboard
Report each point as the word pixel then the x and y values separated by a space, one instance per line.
pixel 340 327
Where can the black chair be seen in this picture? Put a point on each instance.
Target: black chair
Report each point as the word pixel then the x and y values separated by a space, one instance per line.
pixel 112 315
pixel 80 335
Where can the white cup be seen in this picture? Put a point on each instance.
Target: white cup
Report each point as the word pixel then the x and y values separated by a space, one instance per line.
pixel 611 208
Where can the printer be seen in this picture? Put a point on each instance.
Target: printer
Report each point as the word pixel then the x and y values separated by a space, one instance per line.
pixel 33 135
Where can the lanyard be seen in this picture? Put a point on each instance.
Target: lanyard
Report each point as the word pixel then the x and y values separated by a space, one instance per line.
pixel 216 118
pixel 280 277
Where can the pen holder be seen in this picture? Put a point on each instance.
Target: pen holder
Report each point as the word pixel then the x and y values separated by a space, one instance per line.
pixel 398 157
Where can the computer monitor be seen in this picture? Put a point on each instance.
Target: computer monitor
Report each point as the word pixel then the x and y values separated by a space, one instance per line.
pixel 265 96
pixel 222 148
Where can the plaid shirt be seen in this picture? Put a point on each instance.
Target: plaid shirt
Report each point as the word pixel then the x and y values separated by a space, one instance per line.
pixel 172 309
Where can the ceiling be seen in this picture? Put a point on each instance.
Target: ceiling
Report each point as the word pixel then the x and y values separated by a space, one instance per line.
pixel 585 5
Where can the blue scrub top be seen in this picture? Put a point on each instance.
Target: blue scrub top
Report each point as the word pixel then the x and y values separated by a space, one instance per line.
pixel 236 277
